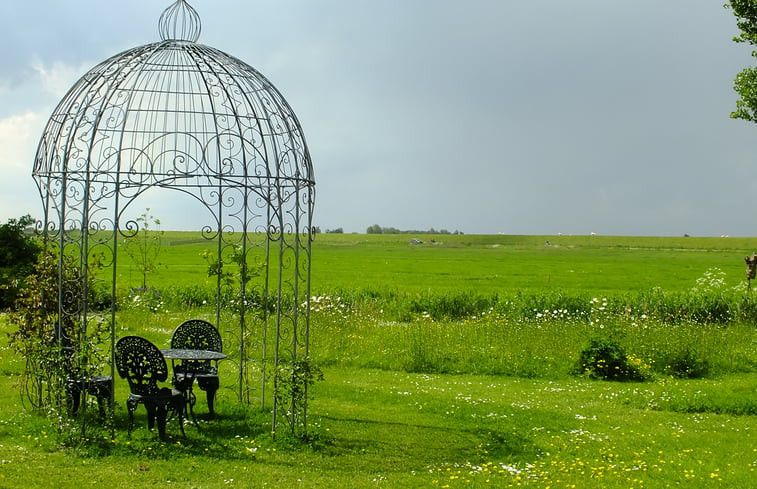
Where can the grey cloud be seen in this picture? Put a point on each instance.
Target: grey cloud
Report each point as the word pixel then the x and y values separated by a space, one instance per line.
pixel 483 116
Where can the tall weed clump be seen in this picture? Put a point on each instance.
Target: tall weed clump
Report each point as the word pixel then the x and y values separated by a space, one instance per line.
pixel 686 361
pixel 450 306
pixel 537 305
pixel 710 300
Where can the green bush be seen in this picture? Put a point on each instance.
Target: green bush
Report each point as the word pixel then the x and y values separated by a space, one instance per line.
pixel 422 356
pixel 55 346
pixel 606 359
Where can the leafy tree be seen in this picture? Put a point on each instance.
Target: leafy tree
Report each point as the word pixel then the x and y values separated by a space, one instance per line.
pixel 375 229
pixel 18 254
pixel 745 83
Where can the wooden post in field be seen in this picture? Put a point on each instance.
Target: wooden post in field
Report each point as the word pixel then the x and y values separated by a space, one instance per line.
pixel 751 269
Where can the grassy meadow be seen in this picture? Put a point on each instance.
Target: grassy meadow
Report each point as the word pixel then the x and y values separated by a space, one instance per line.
pixel 482 263
pixel 453 363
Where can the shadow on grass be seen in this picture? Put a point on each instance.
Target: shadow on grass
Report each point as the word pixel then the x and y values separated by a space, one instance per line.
pixel 416 446
pixel 236 432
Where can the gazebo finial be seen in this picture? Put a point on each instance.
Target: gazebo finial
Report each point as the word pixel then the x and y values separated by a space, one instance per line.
pixel 179 22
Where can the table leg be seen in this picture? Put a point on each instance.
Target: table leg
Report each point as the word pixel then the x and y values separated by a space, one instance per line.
pixel 187 389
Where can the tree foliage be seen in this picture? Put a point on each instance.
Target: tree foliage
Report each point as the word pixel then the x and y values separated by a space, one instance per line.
pixel 18 253
pixel 745 83
pixel 376 229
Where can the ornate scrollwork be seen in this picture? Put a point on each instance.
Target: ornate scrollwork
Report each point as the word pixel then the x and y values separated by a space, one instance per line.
pixel 129 229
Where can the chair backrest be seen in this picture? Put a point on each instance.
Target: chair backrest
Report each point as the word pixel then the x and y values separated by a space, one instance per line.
pixel 197 334
pixel 141 363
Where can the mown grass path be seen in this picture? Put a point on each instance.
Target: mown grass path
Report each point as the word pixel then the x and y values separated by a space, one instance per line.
pixel 397 430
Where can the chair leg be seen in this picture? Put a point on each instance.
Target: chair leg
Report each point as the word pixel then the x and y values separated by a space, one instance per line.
pixel 211 395
pixel 190 400
pixel 151 414
pixel 75 402
pixel 131 406
pixel 160 413
pixel 102 389
pixel 73 396
pixel 131 421
pixel 180 408
pixel 210 386
pixel 101 402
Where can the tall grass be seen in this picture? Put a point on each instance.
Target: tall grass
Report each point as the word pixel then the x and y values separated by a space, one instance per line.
pixel 530 336
pixel 706 307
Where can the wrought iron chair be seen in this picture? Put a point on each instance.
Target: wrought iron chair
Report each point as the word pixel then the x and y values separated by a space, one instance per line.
pixel 100 386
pixel 197 334
pixel 142 364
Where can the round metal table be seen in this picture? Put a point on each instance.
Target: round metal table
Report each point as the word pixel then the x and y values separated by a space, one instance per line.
pixel 190 355
pixel 186 354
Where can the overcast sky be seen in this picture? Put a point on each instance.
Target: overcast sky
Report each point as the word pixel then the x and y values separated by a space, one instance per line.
pixel 484 116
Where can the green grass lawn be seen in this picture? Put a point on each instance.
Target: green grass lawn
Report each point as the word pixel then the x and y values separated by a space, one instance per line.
pixel 414 403
pixel 398 430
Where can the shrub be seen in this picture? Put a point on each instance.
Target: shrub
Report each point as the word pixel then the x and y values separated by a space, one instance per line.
pixel 292 384
pixel 606 359
pixel 55 346
pixel 145 246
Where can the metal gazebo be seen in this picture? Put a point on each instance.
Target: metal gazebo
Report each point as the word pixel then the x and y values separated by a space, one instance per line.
pixel 180 115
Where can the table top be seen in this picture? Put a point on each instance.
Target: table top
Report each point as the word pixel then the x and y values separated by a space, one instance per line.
pixel 182 354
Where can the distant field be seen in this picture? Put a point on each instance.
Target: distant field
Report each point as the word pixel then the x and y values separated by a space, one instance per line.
pixel 482 263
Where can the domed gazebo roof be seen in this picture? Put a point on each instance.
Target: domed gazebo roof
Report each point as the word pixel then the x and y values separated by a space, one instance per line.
pixel 175 113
